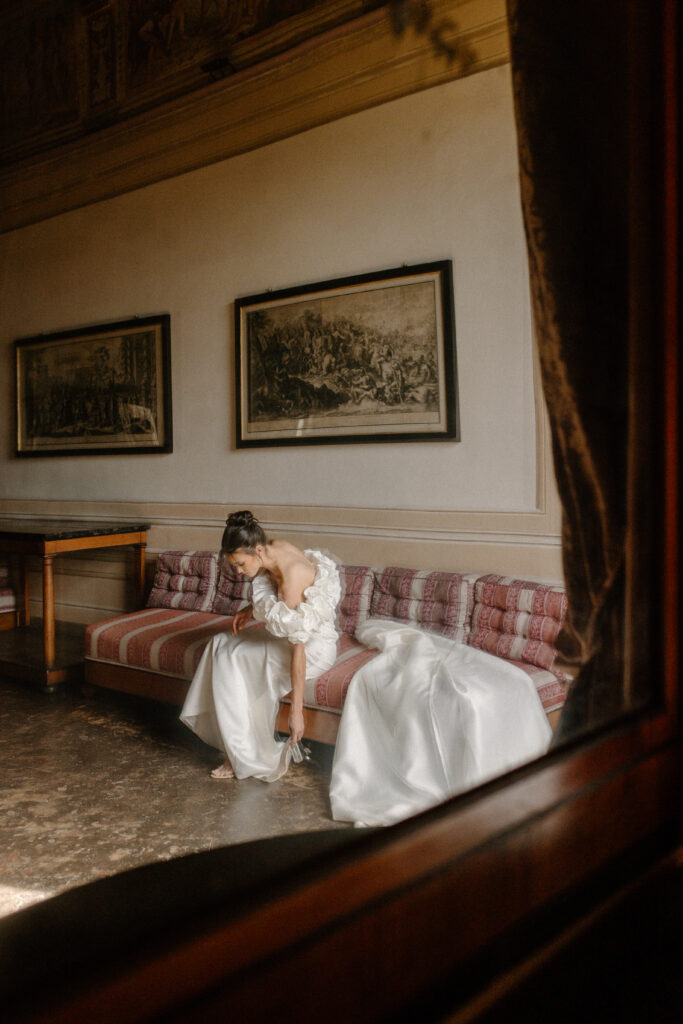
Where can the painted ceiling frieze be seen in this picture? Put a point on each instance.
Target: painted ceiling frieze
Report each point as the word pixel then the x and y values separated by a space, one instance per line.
pixel 69 67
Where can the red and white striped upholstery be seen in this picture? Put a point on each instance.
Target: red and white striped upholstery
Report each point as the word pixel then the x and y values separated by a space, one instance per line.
pixel 191 602
pixel 354 608
pixel 520 620
pixel 550 687
pixel 440 602
pixel 168 641
pixel 185 579
pixel 331 686
pixel 233 591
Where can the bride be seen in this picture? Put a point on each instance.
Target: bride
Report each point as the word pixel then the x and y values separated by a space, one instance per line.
pixel 427 718
pixel 233 700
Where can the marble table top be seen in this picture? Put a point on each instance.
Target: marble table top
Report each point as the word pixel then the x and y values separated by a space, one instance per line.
pixel 62 529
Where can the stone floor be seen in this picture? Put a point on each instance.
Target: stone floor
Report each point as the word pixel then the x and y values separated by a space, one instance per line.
pixel 90 787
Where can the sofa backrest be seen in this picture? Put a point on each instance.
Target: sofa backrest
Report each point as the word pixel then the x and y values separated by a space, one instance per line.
pixel 517 619
pixel 357 582
pixel 193 580
pixel 184 579
pixel 233 591
pixel 440 602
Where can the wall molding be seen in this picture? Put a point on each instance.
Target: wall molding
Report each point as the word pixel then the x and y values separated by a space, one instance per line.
pixel 410 524
pixel 512 543
pixel 353 67
pixel 525 542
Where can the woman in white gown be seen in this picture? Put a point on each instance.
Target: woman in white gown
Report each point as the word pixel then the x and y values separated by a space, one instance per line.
pixel 427 718
pixel 233 700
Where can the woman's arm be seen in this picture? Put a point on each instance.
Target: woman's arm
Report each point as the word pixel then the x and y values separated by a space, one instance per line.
pixel 241 618
pixel 292 593
pixel 298 676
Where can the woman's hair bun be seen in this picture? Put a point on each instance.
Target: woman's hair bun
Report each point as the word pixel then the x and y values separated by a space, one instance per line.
pixel 242 530
pixel 237 520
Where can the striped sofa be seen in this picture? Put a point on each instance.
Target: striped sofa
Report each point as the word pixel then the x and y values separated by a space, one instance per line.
pixel 154 652
pixel 8 601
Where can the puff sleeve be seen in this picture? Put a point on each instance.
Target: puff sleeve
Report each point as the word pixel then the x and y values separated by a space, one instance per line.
pixel 313 617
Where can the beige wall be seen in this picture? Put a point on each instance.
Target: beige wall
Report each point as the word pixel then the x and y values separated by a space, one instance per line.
pixel 430 176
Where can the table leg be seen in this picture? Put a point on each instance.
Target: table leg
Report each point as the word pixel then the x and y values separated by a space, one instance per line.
pixel 49 610
pixel 25 596
pixel 139 563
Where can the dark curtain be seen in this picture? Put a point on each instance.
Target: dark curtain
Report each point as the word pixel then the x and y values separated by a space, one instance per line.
pixel 569 64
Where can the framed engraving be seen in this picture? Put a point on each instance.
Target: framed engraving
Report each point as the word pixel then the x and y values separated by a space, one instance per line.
pixel 102 390
pixel 359 359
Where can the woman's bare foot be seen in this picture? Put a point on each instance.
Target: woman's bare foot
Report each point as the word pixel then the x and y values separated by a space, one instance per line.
pixel 224 771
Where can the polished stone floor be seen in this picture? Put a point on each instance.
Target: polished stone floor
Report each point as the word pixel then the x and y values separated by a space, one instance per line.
pixel 92 786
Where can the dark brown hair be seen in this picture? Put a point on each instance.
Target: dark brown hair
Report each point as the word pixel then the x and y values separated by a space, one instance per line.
pixel 242 530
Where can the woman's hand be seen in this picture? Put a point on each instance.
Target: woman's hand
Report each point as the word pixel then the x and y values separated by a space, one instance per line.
pixel 296 725
pixel 242 617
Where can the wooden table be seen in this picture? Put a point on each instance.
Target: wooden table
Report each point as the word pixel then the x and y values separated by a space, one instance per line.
pixel 48 538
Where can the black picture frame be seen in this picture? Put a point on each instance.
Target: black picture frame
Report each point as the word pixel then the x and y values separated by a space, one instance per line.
pixel 363 359
pixel 96 390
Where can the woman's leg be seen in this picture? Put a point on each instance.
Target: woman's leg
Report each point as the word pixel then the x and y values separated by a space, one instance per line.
pixel 233 699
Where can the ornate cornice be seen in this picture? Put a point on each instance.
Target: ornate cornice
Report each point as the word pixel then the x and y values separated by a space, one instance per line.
pixel 347 69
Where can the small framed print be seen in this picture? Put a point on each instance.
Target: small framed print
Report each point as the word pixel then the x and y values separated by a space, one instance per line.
pixel 102 390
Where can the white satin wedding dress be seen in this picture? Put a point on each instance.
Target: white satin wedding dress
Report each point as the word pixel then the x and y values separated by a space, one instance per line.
pixel 233 699
pixel 426 719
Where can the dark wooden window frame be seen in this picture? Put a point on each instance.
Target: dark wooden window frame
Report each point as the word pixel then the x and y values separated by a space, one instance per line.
pixel 440 911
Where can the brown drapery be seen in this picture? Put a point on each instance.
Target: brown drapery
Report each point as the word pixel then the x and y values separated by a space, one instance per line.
pixel 569 64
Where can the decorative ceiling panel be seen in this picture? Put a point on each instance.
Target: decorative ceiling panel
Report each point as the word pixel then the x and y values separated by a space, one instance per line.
pixel 70 68
pixel 292 76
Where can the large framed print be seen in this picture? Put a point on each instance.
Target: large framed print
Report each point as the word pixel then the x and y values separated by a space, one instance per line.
pixel 101 390
pixel 359 359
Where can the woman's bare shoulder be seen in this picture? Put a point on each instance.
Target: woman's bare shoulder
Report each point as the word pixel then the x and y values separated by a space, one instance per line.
pixel 297 573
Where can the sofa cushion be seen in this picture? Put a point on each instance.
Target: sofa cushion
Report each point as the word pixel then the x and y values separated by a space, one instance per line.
pixel 331 686
pixel 164 640
pixel 184 579
pixel 517 619
pixel 233 591
pixel 551 690
pixel 440 602
pixel 354 608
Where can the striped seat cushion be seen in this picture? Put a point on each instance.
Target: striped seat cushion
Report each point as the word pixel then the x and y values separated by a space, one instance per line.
pixel 551 688
pixel 331 686
pixel 184 579
pixel 517 619
pixel 354 608
pixel 168 641
pixel 440 602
